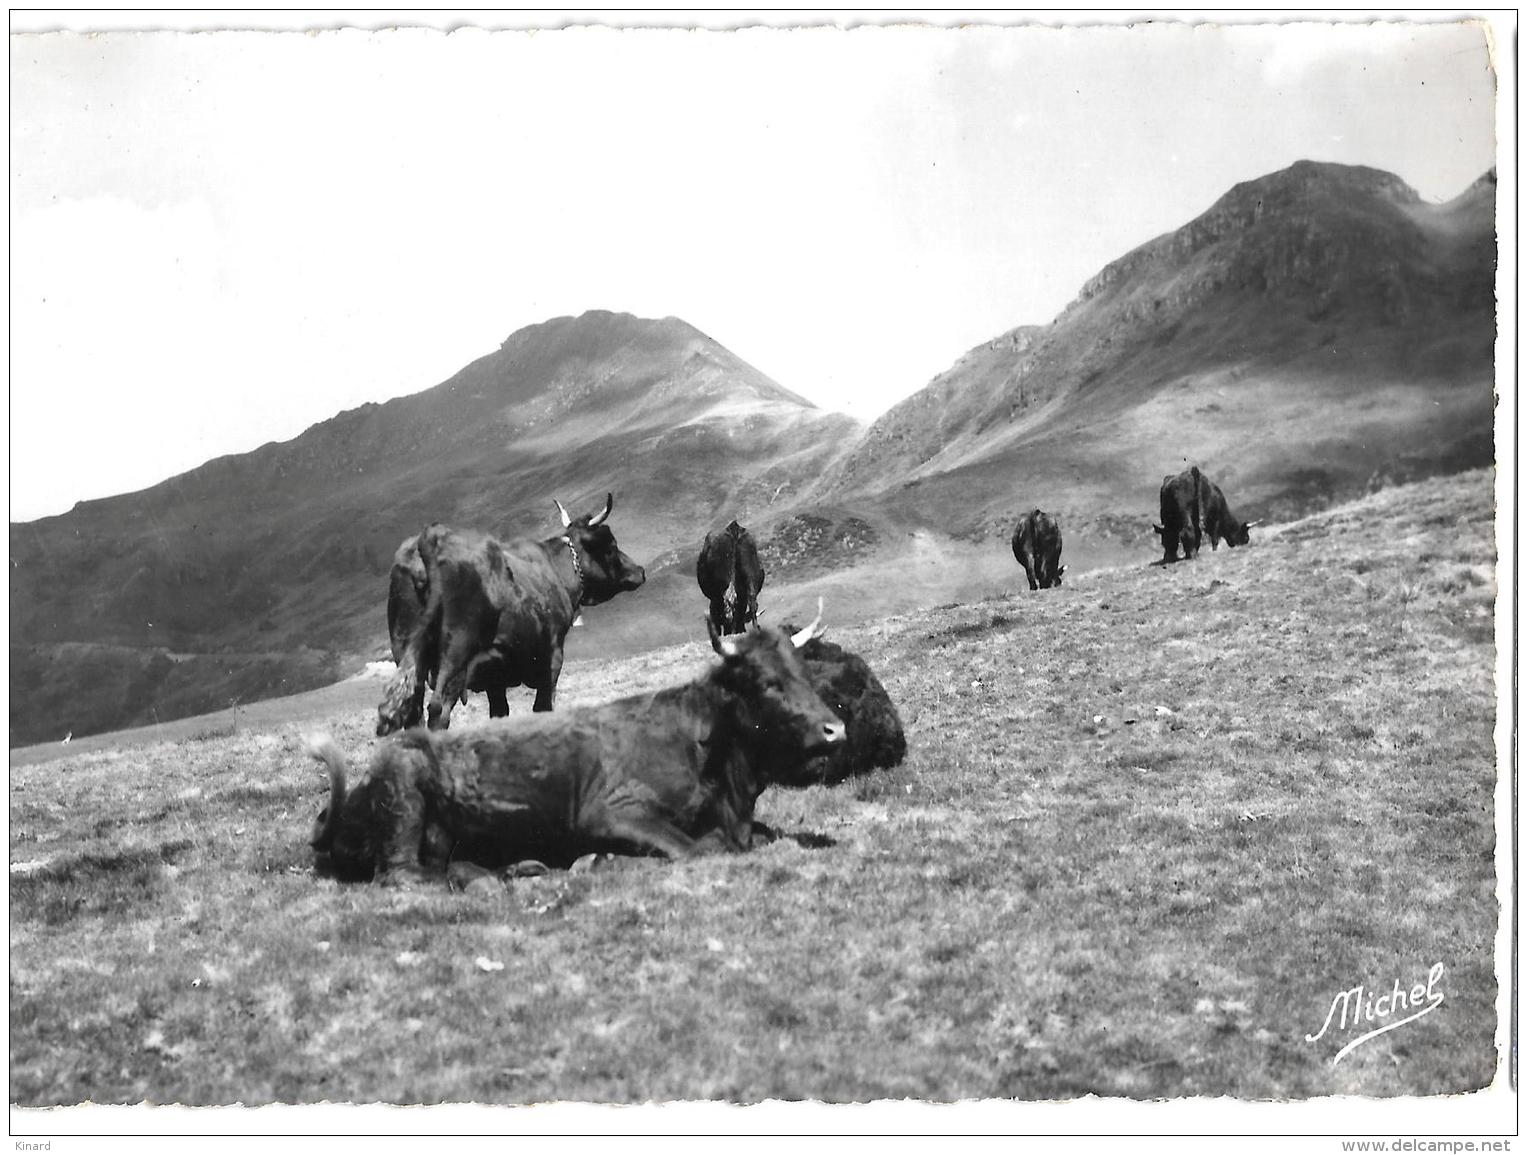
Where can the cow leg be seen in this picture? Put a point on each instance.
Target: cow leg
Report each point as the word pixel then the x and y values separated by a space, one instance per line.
pixel 546 694
pixel 451 686
pixel 649 834
pixel 719 617
pixel 498 701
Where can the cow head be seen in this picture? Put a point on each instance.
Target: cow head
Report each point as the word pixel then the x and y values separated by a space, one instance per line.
pixel 1240 535
pixel 781 709
pixel 606 571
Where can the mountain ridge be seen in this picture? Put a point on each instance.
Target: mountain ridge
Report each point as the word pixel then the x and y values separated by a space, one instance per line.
pixel 1295 281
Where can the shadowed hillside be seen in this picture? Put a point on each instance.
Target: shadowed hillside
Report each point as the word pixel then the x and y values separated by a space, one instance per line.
pixel 284 551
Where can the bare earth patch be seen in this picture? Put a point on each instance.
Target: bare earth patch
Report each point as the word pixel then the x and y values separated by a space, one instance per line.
pixel 1149 825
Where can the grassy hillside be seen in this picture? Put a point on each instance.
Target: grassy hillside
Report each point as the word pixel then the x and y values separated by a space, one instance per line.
pixel 1149 825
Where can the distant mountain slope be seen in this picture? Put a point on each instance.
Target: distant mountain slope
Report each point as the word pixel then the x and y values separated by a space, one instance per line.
pixel 283 552
pixel 1314 330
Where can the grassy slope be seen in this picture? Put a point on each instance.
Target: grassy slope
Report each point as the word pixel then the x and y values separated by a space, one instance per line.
pixel 1064 890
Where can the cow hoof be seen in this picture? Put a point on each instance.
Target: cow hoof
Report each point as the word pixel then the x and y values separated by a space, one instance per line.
pixel 530 868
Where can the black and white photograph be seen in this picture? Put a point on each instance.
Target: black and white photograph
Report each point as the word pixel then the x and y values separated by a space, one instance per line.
pixel 780 573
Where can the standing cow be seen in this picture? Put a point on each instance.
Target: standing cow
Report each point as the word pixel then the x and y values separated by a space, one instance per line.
pixel 730 575
pixel 1193 507
pixel 1036 545
pixel 675 772
pixel 488 615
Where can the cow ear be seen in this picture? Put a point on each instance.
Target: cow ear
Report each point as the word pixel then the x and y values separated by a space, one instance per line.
pixel 1160 532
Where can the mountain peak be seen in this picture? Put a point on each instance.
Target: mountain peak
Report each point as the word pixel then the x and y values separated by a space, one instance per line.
pixel 603 326
pixel 1306 176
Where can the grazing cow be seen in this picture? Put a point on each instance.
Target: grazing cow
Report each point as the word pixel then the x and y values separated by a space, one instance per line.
pixel 1181 514
pixel 1192 506
pixel 874 737
pixel 491 615
pixel 1036 545
pixel 730 575
pixel 1219 522
pixel 675 772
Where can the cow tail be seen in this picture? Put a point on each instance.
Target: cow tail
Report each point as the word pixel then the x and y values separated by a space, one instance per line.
pixel 424 644
pixel 324 749
pixel 1198 506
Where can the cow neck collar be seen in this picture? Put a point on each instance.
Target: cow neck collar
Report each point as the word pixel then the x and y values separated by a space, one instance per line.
pixel 572 552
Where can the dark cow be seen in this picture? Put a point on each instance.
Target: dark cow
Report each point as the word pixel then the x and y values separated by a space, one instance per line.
pixel 676 772
pixel 874 737
pixel 1193 507
pixel 1036 545
pixel 490 615
pixel 730 575
pixel 1219 522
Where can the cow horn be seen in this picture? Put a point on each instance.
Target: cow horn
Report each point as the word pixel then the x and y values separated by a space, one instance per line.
pixel 1249 524
pixel 723 646
pixel 566 520
pixel 802 636
pixel 609 504
pixel 322 747
pixel 1159 529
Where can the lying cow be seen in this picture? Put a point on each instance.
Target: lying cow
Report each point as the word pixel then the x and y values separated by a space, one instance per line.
pixel 1192 506
pixel 730 574
pixel 874 737
pixel 1036 545
pixel 467 612
pixel 676 772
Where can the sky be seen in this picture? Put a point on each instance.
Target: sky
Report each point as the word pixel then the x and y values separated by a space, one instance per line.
pixel 219 239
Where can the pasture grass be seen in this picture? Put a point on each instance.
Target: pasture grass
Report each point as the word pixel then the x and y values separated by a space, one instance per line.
pixel 1149 825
